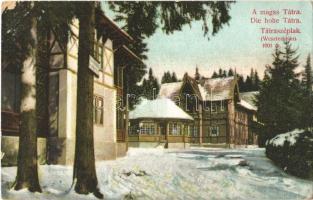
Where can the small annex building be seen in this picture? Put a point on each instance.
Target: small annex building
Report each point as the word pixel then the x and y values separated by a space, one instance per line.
pixel 159 122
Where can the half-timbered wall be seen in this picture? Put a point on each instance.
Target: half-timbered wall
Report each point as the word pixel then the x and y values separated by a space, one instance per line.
pixel 104 131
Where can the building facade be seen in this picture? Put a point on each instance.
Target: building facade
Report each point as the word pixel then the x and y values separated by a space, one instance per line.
pixel 159 122
pixel 109 122
pixel 215 104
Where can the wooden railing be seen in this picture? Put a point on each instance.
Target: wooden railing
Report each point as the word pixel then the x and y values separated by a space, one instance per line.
pixel 214 139
pixel 10 123
pixel 162 137
pixel 178 138
pixel 193 139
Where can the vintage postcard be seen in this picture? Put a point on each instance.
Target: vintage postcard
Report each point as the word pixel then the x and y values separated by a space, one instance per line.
pixel 157 100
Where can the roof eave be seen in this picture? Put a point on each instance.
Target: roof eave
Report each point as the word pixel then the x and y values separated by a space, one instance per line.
pixel 160 118
pixel 129 53
pixel 114 32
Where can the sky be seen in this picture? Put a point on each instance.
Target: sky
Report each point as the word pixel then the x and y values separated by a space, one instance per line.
pixel 236 46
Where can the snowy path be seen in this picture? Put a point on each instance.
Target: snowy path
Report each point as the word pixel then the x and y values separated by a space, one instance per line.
pixel 175 174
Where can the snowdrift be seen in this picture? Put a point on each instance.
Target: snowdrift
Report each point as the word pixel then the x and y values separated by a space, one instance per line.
pixel 293 152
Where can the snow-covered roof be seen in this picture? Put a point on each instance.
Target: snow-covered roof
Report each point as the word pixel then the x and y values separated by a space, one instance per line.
pixel 161 108
pixel 247 105
pixel 215 89
pixel 169 90
pixel 247 100
pixel 212 89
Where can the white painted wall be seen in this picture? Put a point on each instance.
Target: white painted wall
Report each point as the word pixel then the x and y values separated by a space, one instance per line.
pixel 104 135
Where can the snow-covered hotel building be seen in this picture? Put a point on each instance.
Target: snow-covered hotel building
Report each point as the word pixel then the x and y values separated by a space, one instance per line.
pixel 109 123
pixel 221 114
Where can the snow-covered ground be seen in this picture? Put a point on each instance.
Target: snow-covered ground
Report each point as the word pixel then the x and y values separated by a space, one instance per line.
pixel 199 173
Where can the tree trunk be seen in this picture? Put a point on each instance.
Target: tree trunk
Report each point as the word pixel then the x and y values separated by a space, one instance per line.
pixel 42 82
pixel 27 169
pixel 84 164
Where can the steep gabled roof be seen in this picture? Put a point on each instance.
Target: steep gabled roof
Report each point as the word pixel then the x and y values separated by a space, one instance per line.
pixel 211 89
pixel 170 90
pixel 161 108
pixel 194 84
pixel 215 89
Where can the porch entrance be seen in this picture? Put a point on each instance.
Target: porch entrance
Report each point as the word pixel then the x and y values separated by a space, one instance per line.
pixel 162 132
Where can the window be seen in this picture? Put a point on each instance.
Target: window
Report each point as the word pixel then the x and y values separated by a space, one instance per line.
pixel 222 106
pixel 175 129
pixel 191 102
pixel 214 131
pixel 147 128
pixel 98 110
pixel 193 131
pixel 10 86
pixel 133 130
pixel 10 100
pixel 214 107
pixel 98 52
pixel 186 130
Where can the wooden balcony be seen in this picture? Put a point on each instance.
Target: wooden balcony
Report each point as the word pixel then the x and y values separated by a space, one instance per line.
pixel 10 123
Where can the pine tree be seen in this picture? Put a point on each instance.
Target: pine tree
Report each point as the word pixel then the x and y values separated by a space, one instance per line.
pixel 174 77
pixel 163 79
pixel 230 72
pixel 27 172
pixel 197 75
pixel 307 79
pixel 279 101
pixel 252 76
pixel 48 16
pixel 220 73
pixel 224 74
pixel 256 81
pixel 166 78
pixel 214 75
pixel 84 163
pixel 42 75
pixel 19 50
pixel 241 83
pixel 307 118
pixel 248 84
pixel 150 86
